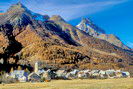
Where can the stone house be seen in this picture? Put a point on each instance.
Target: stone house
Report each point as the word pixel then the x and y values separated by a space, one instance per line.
pixel 34 77
pixel 20 75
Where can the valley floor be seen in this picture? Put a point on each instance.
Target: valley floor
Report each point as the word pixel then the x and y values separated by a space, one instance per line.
pixel 124 83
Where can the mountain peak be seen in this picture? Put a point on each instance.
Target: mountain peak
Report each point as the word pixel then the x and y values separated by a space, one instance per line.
pixel 57 18
pixel 86 24
pixel 86 21
pixel 92 29
pixel 19 7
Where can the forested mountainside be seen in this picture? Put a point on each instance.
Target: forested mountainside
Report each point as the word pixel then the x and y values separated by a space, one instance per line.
pixel 26 37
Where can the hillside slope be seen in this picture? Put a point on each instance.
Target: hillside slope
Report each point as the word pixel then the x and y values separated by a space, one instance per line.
pixel 26 37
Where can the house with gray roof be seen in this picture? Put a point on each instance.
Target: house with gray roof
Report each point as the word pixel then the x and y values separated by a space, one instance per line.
pixel 20 75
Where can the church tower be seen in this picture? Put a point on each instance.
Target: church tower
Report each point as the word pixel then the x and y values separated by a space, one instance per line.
pixel 36 67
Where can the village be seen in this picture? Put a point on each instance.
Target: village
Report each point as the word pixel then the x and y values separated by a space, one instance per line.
pixel 41 75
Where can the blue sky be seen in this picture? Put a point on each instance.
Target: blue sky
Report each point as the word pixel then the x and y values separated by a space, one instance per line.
pixel 114 16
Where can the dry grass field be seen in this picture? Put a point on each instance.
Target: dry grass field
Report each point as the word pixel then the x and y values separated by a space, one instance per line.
pixel 126 83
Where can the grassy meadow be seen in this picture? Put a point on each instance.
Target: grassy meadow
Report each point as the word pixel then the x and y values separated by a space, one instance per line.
pixel 124 83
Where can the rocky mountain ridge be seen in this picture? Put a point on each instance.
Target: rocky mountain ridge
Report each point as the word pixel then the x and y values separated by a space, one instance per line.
pixel 27 37
pixel 90 28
